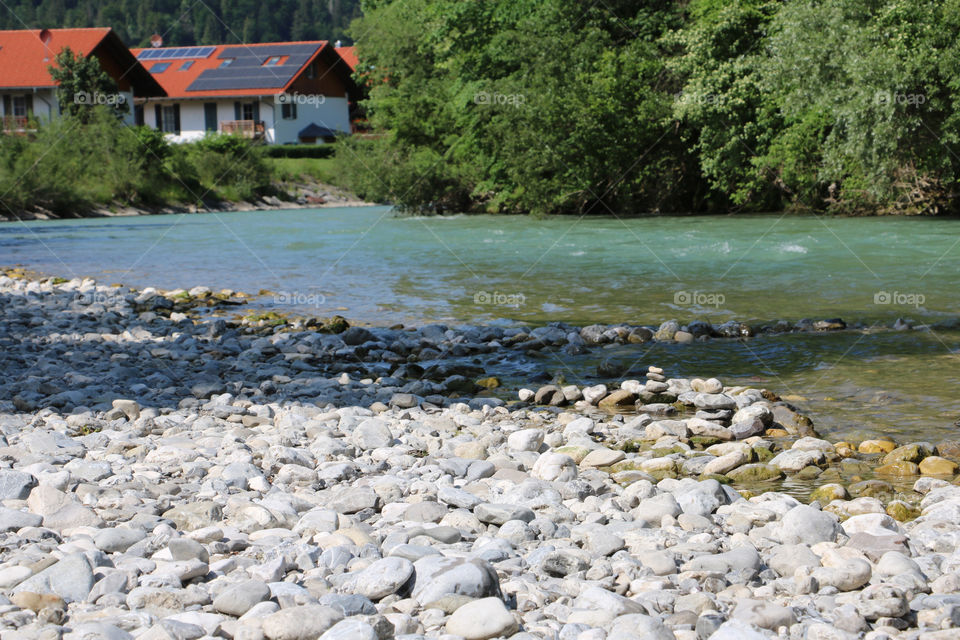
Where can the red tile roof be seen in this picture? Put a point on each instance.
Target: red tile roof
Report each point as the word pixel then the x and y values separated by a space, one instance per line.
pixel 24 57
pixel 349 55
pixel 175 80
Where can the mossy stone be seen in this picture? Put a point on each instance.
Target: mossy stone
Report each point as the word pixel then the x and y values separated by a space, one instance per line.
pixel 871 489
pixel 913 452
pixel 756 472
pixel 902 511
pixel 703 442
pixel 828 493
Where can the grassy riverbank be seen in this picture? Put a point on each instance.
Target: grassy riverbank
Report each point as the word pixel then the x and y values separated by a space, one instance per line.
pixel 68 168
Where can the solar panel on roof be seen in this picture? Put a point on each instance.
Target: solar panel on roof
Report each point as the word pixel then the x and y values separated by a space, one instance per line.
pixel 176 53
pixel 247 70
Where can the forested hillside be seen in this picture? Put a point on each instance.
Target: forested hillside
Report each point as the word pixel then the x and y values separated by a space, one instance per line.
pixel 185 22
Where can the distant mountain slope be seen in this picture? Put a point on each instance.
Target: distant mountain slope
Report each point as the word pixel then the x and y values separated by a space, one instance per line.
pixel 187 22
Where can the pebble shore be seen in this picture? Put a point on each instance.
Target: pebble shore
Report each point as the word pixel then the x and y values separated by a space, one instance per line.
pixel 168 474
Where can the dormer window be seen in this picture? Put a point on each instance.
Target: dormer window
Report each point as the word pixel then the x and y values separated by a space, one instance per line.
pixel 226 62
pixel 160 67
pixel 273 61
pixel 186 65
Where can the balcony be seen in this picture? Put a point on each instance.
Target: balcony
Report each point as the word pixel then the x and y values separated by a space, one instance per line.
pixel 15 124
pixel 252 129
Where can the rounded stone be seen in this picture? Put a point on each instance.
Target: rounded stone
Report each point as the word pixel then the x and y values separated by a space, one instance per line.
pixel 240 598
pixel 383 577
pixel 481 620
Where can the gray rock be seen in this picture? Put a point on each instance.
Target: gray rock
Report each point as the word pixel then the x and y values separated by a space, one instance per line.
pixel 118 539
pixel 187 549
pixel 372 433
pixel 482 619
pixel 195 515
pixel 561 564
pixel 739 559
pixel 304 622
pixel 240 598
pixel 383 578
pixel 785 559
pixel 14 520
pixel 437 576
pixel 71 578
pixel 425 512
pixel 653 509
pixel 350 629
pixel 15 485
pixel 500 513
pixel 766 615
pixel 806 525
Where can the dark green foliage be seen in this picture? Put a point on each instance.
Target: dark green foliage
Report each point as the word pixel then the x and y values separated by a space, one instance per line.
pixel 189 23
pixel 846 106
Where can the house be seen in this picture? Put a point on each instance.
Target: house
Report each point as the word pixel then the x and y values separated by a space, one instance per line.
pixel 278 92
pixel 28 91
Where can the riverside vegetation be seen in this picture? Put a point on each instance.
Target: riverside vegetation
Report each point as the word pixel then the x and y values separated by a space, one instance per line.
pixel 170 471
pixel 90 161
pixel 556 106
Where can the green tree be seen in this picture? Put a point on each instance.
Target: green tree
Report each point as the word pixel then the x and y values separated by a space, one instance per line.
pixel 83 86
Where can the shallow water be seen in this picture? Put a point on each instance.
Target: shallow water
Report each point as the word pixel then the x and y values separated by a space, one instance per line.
pixel 371 266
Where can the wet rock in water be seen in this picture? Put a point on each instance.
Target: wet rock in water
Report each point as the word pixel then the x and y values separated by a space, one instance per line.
pixel 619 399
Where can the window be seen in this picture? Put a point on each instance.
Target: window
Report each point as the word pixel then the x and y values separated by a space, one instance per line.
pixel 312 71
pixel 288 110
pixel 186 65
pixel 273 61
pixel 19 106
pixel 169 121
pixel 246 112
pixel 226 62
pixel 160 67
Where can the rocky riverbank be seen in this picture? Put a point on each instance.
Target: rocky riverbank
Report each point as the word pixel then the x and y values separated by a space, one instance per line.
pixel 167 472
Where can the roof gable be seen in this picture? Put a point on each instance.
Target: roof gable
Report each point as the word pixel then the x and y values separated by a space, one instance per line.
pixel 25 57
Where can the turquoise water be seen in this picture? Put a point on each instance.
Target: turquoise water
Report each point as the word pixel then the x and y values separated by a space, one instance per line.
pixel 371 266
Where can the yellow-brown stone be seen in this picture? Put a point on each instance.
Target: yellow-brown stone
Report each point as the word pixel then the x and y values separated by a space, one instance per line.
pixel 899 468
pixel 937 466
pixel 877 446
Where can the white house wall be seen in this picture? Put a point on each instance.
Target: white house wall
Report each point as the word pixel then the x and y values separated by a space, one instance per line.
pixel 333 113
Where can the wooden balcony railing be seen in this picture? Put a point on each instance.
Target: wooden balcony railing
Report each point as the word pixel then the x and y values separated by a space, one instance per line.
pixel 15 123
pixel 246 128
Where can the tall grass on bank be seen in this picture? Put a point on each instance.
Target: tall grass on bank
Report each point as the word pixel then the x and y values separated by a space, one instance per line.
pixel 67 167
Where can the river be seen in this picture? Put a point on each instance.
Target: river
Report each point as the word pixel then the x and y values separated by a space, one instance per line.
pixel 374 267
